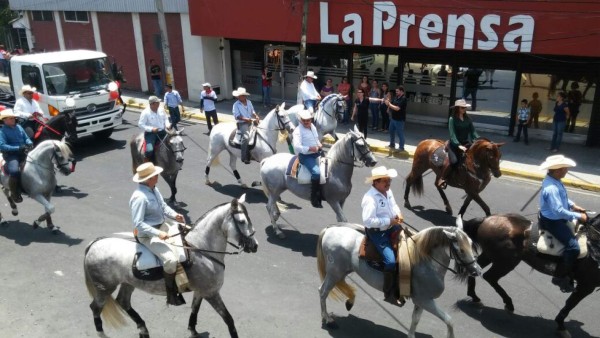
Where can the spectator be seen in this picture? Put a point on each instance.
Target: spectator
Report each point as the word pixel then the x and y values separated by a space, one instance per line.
pixel 397 109
pixel 267 78
pixel 208 98
pixel 375 92
pixel 559 121
pixel 575 99
pixel 344 89
pixel 535 107
pixel 442 77
pixel 172 101
pixel 523 115
pixel 365 85
pixel 471 85
pixel 155 75
pixel 360 113
pixel 383 109
pixel 4 57
pixel 327 88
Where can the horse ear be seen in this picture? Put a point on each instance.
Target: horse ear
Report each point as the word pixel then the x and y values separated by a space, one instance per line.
pixel 242 199
pixel 500 144
pixel 450 234
pixel 282 106
pixel 459 222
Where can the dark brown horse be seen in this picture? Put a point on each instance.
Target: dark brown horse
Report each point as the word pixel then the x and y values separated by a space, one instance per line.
pixel 505 242
pixel 481 162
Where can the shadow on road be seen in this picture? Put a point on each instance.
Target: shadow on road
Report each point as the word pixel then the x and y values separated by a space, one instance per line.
pixel 306 244
pixel 64 191
pixel 352 326
pixel 23 234
pixel 90 146
pixel 431 216
pixel 253 196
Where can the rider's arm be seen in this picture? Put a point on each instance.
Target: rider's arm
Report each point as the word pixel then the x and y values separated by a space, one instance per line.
pixel 167 211
pixel 138 210
pixel 452 130
pixel 143 122
pixel 394 205
pixel 20 109
pixel 369 213
pixel 24 136
pixel 297 142
pixel 202 97
pixel 4 146
pixel 551 195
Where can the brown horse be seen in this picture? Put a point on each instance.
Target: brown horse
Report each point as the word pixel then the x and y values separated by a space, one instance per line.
pixel 482 160
pixel 505 241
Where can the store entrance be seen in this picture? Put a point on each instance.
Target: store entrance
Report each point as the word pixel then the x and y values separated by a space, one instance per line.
pixel 282 62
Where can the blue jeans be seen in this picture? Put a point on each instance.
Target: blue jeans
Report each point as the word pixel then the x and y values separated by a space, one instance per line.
pixel 374 107
pixel 557 133
pixel 559 229
pixel 309 104
pixel 13 159
pixel 157 83
pixel 381 240
pixel 266 91
pixel 310 161
pixel 151 139
pixel 174 116
pixel 397 127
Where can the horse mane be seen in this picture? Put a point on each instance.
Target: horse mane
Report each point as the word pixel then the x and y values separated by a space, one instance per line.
pixel 328 98
pixel 427 240
pixel 64 148
pixel 201 218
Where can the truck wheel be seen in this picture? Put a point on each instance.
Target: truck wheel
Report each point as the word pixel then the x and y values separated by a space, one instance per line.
pixel 103 134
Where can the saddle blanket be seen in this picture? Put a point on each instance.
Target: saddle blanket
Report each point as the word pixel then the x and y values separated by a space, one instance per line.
pixel 549 245
pixel 438 156
pixel 302 174
pixel 235 138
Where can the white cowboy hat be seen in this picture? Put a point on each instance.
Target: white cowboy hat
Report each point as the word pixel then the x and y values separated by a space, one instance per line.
pixel 27 88
pixel 153 99
pixel 305 114
pixel 7 113
pixel 557 162
pixel 461 103
pixel 145 171
pixel 241 91
pixel 206 84
pixel 381 172
pixel 310 73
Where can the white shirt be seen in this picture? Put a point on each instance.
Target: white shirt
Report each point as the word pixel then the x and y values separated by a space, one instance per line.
pixel 23 108
pixel 153 119
pixel 308 91
pixel 208 100
pixel 379 210
pixel 304 138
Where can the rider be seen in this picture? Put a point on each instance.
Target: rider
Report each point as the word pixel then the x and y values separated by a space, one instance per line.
pixel 27 109
pixel 310 96
pixel 555 212
pixel 381 217
pixel 148 212
pixel 154 122
pixel 462 135
pixel 14 143
pixel 307 146
pixel 243 112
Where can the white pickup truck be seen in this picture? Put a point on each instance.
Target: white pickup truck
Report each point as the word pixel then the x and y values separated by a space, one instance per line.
pixel 85 76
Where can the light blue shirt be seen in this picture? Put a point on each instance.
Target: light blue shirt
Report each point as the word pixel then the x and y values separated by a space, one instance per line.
pixel 239 110
pixel 523 114
pixel 148 210
pixel 172 99
pixel 554 203
pixel 379 210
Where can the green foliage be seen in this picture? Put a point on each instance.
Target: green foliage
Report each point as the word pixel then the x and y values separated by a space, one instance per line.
pixel 6 14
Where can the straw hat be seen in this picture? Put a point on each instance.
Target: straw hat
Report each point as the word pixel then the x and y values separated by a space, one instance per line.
pixel 7 113
pixel 381 172
pixel 241 91
pixel 206 84
pixel 305 114
pixel 310 73
pixel 153 99
pixel 145 171
pixel 27 88
pixel 461 103
pixel 557 162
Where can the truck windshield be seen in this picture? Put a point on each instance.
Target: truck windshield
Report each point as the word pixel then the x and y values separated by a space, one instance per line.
pixel 74 77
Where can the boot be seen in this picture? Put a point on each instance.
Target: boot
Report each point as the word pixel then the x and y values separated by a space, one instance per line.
pixel 15 193
pixel 173 297
pixel 441 181
pixel 315 194
pixel 245 153
pixel 561 277
pixel 391 292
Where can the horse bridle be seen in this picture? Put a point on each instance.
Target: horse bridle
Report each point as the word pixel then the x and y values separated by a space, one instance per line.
pixel 162 141
pixel 281 125
pixel 362 154
pixel 58 165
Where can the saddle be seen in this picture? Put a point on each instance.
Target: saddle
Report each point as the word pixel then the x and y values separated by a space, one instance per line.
pixel 156 145
pixel 439 156
pixel 548 245
pixel 296 170
pixel 235 137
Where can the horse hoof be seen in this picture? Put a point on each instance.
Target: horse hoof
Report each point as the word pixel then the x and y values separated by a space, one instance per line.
pixel 332 325
pixel 14 212
pixel 256 184
pixel 36 224
pixel 449 211
pixel 56 231
pixel 407 205
pixel 280 234
pixel 207 182
pixel 509 307
pixel 349 305
pixel 563 333
pixel 144 335
pixel 244 186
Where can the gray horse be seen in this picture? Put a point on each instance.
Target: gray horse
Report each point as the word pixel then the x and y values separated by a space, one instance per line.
pixel 168 155
pixel 337 256
pixel 342 156
pixel 108 264
pixel 331 110
pixel 38 178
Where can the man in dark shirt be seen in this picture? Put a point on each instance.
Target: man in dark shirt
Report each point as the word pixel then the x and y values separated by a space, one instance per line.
pixel 397 110
pixel 471 85
pixel 155 75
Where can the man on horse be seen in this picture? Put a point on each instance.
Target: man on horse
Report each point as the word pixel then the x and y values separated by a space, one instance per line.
pixel 307 146
pixel 28 109
pixel 462 135
pixel 555 212
pixel 309 93
pixel 382 217
pixel 154 122
pixel 14 143
pixel 148 212
pixel 243 112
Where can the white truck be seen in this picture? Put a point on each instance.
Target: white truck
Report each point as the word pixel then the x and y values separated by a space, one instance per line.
pixel 87 77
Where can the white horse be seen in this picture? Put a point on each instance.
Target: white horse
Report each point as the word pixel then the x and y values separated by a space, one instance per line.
pixel 342 156
pixel 276 121
pixel 108 264
pixel 331 110
pixel 337 257
pixel 38 178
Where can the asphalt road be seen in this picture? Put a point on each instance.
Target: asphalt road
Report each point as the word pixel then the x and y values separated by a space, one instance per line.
pixel 272 293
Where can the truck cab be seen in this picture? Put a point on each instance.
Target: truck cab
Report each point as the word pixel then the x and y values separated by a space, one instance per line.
pixel 85 76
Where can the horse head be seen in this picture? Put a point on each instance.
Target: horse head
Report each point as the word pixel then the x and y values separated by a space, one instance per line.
pixel 70 133
pixel 333 105
pixel 283 119
pixel 62 157
pixel 462 250
pixel 240 227
pixel 175 144
pixel 360 148
pixel 486 154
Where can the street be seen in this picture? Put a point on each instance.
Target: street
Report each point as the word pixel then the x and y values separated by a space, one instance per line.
pixel 272 293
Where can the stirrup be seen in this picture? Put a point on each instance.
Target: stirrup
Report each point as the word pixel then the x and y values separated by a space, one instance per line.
pixel 442 184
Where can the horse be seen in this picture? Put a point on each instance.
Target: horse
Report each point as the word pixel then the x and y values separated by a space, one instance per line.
pixel 337 256
pixel 331 110
pixel 506 240
pixel 108 264
pixel 38 178
pixel 63 125
pixel 481 161
pixel 168 155
pixel 342 156
pixel 276 122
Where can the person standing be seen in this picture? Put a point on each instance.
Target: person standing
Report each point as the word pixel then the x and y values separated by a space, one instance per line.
pixel 243 112
pixel 148 213
pixel 4 56
pixel 308 147
pixel 523 116
pixel 309 93
pixel 360 113
pixel 327 88
pixel 381 217
pixel 155 76
pixel 556 209
pixel 535 106
pixel 559 121
pixel 383 109
pixel 28 109
pixel 172 101
pixel 267 78
pixel 471 85
pixel 344 89
pixel 375 92
pixel 208 98
pixel 153 122
pixel 397 108
pixel 14 144
pixel 575 99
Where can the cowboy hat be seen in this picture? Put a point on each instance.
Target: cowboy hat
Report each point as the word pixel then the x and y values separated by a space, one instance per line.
pixel 305 114
pixel 556 162
pixel 241 91
pixel 206 84
pixel 145 171
pixel 461 103
pixel 7 113
pixel 27 88
pixel 310 73
pixel 153 99
pixel 381 172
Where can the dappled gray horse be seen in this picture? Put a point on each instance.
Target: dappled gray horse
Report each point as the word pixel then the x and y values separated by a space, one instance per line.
pixel 337 257
pixel 342 156
pixel 38 178
pixel 168 155
pixel 108 264
pixel 331 110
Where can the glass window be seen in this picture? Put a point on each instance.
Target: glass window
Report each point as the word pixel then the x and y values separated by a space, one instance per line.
pixel 76 77
pixel 42 15
pixel 76 16
pixel 31 76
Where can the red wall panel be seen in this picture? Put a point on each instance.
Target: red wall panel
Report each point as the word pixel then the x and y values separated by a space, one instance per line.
pixel 78 35
pixel 45 35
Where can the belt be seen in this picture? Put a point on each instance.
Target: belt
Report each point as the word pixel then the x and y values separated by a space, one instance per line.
pixel 376 229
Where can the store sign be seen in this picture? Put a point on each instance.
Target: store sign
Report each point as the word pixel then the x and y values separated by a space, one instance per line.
pixel 512 33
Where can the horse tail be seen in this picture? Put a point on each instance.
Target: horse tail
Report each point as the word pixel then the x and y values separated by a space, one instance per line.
pixel 341 288
pixel 416 182
pixel 134 152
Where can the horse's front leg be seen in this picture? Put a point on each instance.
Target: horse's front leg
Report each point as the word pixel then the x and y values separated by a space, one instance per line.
pixel 339 213
pixel 416 317
pixel 45 201
pixel 13 205
pixel 217 303
pixel 274 214
pixel 233 166
pixel 579 294
pixel 476 198
pixel 431 306
pixel 172 182
pixel 194 315
pixel 446 202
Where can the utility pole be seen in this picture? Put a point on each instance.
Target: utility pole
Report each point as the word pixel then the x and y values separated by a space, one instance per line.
pixel 164 38
pixel 302 53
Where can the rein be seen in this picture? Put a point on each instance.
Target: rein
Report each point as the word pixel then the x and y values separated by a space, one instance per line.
pixel 362 156
pixel 47 126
